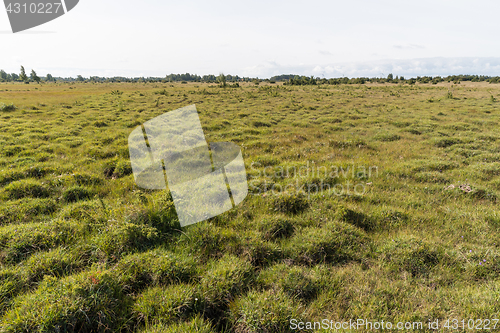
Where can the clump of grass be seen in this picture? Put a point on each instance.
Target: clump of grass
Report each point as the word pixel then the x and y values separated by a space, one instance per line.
pixel 118 238
pixel 358 219
pixel 290 203
pixel 266 311
pixel 387 137
pixel 259 123
pixel 169 304
pixel 26 188
pixel 295 281
pixel 447 142
pixel 86 302
pixel 224 280
pixel 276 228
pixel 20 241
pixel 155 267
pixel 76 193
pixel 335 242
pixel 195 325
pixel 210 241
pixel 412 255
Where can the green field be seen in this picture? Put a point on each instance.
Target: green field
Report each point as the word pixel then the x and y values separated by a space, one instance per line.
pixel 390 213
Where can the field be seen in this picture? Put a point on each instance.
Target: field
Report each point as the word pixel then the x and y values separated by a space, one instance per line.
pixel 390 210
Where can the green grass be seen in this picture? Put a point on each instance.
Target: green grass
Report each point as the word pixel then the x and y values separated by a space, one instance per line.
pixel 375 201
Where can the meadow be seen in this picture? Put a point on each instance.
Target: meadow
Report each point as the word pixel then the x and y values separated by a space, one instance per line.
pixel 373 201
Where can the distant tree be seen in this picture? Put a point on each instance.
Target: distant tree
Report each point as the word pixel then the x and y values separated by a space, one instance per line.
pixel 49 78
pixel 3 76
pixel 221 80
pixel 390 77
pixel 14 77
pixel 34 77
pixel 80 78
pixel 23 76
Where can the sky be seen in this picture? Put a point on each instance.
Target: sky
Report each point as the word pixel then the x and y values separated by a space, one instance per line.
pixel 260 39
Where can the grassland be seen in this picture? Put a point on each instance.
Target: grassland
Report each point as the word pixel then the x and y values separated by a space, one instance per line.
pixel 83 249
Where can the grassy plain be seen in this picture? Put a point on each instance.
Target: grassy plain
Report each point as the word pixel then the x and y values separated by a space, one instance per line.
pixel 84 249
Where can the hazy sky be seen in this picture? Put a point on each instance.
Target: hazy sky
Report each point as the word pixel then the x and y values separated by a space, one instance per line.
pixel 261 38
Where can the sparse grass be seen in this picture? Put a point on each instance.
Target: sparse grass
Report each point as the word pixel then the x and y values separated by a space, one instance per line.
pixel 82 248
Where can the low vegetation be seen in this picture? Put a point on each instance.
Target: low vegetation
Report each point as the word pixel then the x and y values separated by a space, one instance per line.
pixel 366 200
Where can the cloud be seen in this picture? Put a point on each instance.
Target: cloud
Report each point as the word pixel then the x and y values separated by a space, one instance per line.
pixel 407 67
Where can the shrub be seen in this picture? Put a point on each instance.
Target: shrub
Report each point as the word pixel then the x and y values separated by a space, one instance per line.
pixel 7 107
pixel 290 203
pixel 76 193
pixel 26 188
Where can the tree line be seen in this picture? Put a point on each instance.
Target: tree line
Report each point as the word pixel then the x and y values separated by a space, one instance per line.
pixel 287 79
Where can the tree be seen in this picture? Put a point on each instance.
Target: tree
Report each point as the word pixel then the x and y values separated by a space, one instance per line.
pixel 80 78
pixel 34 77
pixel 3 76
pixel 49 78
pixel 221 79
pixel 390 77
pixel 23 76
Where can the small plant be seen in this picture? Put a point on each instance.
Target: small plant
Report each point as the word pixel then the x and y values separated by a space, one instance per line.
pixel 7 107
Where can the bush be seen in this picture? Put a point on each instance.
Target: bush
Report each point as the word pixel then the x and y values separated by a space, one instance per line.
pixel 76 193
pixel 7 107
pixel 290 203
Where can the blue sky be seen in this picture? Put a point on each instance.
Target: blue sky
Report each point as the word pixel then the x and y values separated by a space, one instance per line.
pixel 261 38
